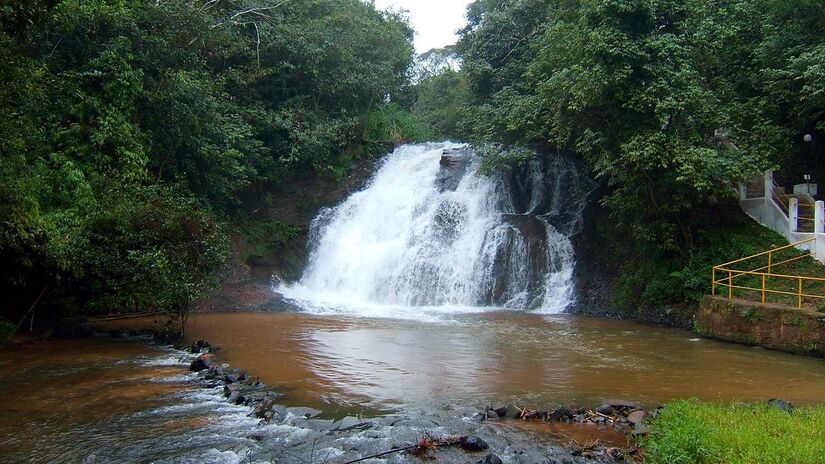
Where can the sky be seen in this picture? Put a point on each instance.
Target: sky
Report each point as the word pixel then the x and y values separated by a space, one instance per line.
pixel 435 21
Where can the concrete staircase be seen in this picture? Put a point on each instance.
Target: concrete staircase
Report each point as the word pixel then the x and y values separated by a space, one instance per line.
pixel 796 216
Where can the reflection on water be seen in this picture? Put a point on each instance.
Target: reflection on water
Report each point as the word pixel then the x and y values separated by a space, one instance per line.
pixel 499 357
pixel 104 400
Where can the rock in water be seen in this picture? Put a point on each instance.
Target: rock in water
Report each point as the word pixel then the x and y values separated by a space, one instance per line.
pixel 636 417
pixel 473 443
pixel 204 361
pixel 512 412
pixel 561 414
pixel 610 406
pixel 492 459
pixel 781 404
pixel 200 346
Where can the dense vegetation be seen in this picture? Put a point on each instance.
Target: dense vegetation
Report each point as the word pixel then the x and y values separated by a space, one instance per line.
pixel 135 134
pixel 132 130
pixel 688 432
pixel 671 103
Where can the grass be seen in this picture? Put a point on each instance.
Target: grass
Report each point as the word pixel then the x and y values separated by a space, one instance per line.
pixel 690 432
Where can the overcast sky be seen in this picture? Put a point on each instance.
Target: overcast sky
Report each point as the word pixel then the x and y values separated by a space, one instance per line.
pixel 434 21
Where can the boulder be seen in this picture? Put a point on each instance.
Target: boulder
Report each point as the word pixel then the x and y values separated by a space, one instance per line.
pixel 636 416
pixel 491 459
pixel 501 409
pixel 472 443
pixel 204 361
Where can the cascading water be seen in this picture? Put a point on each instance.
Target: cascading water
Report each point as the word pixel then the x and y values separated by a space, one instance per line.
pixel 442 236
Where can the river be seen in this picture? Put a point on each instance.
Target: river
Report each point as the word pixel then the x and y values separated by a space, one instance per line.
pixel 128 400
pixel 430 294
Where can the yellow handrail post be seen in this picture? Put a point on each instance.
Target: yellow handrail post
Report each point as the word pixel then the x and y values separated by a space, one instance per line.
pixel 746 270
pixel 763 287
pixel 713 283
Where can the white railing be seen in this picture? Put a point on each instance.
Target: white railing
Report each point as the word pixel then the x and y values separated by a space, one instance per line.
pixel 785 214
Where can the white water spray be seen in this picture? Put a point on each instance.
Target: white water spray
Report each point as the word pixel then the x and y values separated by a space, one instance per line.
pixel 443 239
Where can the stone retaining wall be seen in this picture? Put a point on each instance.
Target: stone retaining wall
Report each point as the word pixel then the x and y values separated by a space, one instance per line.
pixel 798 331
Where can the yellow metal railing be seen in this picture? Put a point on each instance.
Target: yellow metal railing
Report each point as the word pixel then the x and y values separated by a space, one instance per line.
pixel 763 275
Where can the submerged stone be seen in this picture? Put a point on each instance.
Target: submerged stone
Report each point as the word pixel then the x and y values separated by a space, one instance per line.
pixel 473 443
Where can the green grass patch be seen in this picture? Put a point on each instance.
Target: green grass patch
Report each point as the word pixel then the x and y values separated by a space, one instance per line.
pixel 690 432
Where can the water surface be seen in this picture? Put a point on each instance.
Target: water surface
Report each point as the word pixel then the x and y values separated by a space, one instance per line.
pixel 479 359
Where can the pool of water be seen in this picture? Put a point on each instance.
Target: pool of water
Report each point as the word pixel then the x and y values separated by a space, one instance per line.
pixel 478 359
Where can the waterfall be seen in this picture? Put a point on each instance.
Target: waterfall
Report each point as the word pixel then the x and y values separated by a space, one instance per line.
pixel 424 234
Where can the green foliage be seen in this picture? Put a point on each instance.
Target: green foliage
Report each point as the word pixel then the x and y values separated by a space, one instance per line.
pixel 442 98
pixel 494 158
pixel 671 104
pixel 391 123
pixel 654 279
pixel 263 235
pixel 132 131
pixel 689 432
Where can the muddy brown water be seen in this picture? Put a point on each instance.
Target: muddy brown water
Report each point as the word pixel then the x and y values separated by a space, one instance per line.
pixel 529 360
pixel 112 400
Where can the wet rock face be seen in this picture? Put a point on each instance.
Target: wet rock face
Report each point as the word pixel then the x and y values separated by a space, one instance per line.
pixel 555 186
pixel 453 163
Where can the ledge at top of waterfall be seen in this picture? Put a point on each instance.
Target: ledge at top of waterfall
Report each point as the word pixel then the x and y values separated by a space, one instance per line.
pixel 430 236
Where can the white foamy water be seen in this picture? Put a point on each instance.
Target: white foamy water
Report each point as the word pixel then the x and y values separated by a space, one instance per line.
pixel 423 240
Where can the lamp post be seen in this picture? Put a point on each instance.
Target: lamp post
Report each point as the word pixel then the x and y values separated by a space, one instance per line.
pixel 807 138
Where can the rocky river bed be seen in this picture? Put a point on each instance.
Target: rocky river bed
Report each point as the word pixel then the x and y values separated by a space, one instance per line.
pixel 129 399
